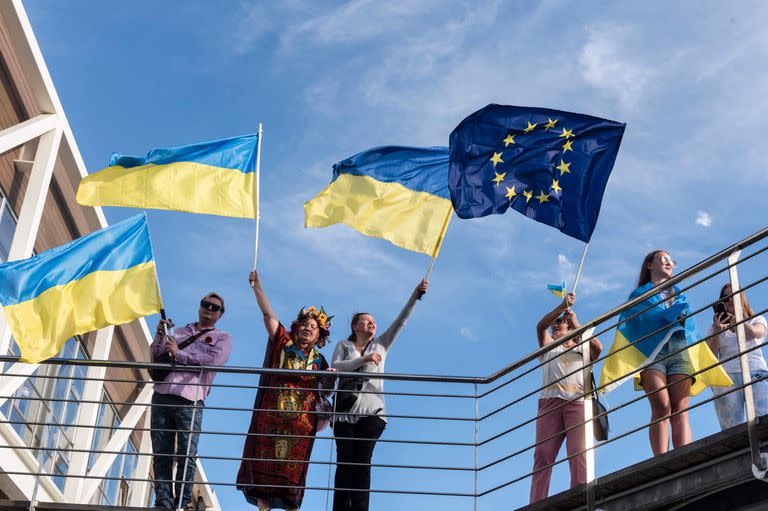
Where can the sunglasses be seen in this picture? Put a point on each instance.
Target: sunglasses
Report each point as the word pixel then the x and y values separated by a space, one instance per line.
pixel 205 304
pixel 665 259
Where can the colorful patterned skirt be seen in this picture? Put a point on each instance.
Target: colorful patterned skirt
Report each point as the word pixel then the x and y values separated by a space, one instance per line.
pixel 278 459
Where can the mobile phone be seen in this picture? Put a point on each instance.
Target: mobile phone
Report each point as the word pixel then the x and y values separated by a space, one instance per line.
pixel 719 308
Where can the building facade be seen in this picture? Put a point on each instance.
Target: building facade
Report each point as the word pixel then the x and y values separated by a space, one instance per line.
pixel 62 421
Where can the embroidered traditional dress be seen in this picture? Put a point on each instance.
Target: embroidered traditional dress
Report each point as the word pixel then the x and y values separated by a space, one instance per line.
pixel 285 414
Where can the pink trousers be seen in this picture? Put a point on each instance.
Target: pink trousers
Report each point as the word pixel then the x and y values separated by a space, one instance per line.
pixel 553 425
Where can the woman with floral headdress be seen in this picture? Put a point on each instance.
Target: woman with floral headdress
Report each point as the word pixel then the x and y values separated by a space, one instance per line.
pixel 274 469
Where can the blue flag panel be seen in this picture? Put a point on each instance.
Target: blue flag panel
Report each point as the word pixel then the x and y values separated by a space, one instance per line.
pixel 552 166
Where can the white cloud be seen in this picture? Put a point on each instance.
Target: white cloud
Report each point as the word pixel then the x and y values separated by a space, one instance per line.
pixel 588 285
pixel 467 334
pixel 256 20
pixel 358 21
pixel 566 269
pixel 703 219
pixel 609 66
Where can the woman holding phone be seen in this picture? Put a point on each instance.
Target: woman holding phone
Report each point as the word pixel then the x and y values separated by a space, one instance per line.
pixel 724 343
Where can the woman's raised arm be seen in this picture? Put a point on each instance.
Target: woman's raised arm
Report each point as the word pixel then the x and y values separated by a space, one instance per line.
pixel 270 318
pixel 542 328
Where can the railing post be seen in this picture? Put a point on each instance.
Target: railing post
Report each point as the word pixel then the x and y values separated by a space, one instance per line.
pixel 40 457
pixel 589 436
pixel 180 496
pixel 141 488
pixel 87 416
pixel 759 460
pixel 477 413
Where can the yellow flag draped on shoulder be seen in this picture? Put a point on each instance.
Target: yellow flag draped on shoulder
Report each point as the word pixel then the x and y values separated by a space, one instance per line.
pixel 639 340
pixel 105 278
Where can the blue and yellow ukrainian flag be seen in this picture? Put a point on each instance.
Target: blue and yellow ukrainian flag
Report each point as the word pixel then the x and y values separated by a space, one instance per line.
pixel 650 331
pixel 557 289
pixel 396 193
pixel 104 278
pixel 215 178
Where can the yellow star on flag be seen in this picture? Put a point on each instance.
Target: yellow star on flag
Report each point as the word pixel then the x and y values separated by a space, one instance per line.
pixel 567 146
pixel 550 124
pixel 496 158
pixel 499 178
pixel 543 197
pixel 566 133
pixel 528 194
pixel 564 167
pixel 510 192
pixel 530 127
pixel 509 140
pixel 556 186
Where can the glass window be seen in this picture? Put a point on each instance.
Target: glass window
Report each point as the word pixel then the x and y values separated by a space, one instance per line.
pixel 7 228
pixel 101 435
pixel 13 350
pixel 110 486
pixel 129 467
pixel 50 396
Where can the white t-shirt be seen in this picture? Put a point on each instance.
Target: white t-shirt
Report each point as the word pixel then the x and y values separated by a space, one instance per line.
pixel 728 345
pixel 558 364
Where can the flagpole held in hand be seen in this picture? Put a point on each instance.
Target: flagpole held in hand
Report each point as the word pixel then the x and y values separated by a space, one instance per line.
pixel 437 247
pixel 581 265
pixel 256 212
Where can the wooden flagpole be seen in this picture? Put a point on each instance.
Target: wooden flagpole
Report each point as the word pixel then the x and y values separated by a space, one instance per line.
pixel 256 211
pixel 581 265
pixel 437 246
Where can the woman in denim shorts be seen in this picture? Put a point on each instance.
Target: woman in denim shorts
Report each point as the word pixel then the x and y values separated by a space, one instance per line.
pixel 667 380
pixel 730 405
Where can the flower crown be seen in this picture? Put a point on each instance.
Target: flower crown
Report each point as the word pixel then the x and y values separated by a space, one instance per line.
pixel 323 322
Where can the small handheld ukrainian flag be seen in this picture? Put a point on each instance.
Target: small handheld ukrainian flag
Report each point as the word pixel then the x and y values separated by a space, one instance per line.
pixel 105 278
pixel 557 289
pixel 396 193
pixel 215 178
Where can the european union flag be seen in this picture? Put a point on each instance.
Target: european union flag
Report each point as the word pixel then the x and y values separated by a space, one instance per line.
pixel 552 166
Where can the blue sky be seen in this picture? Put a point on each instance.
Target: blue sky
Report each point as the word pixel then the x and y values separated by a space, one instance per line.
pixel 330 79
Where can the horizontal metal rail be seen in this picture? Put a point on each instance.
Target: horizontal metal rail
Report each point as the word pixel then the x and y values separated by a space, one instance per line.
pixel 247 485
pixel 622 435
pixel 697 274
pixel 687 273
pixel 610 327
pixel 599 359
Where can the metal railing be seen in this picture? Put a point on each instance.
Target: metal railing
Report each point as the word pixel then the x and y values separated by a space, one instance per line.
pixel 446 444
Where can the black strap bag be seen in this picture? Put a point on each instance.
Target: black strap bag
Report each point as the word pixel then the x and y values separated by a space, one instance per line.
pixel 158 374
pixel 600 426
pixel 348 390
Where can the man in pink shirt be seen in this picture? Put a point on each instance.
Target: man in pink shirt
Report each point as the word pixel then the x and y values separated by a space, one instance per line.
pixel 177 404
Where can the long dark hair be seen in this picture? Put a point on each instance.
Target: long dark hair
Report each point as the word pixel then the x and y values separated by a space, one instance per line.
pixel 645 272
pixel 355 318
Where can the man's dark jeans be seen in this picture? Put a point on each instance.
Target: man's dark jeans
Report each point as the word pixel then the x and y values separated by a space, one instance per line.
pixel 177 420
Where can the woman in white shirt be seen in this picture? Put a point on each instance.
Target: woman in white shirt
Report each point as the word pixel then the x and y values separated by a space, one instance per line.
pixel 561 402
pixel 356 434
pixel 730 407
